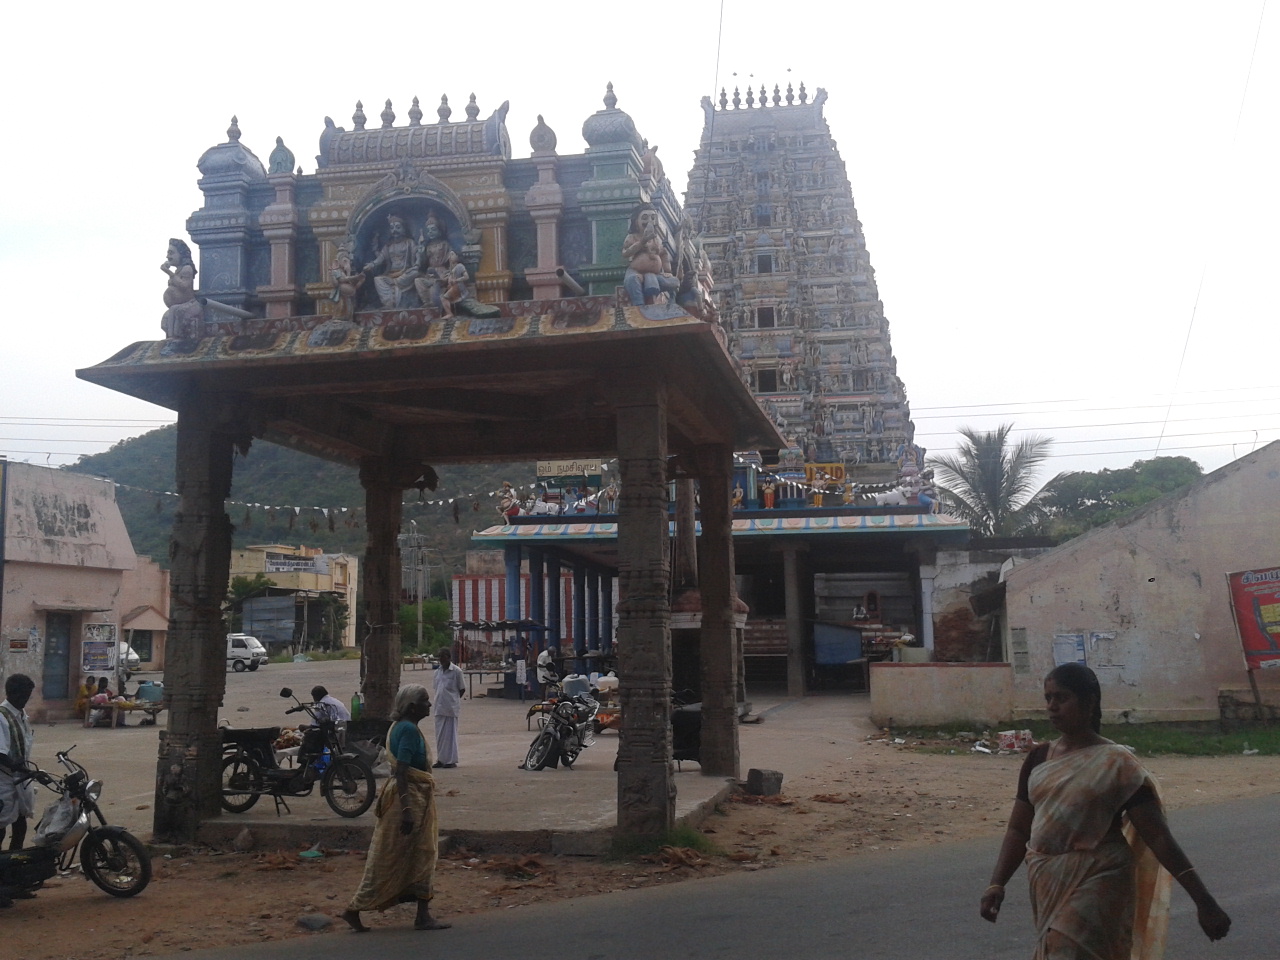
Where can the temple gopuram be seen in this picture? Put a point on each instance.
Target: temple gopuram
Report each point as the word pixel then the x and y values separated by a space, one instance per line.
pixel 769 195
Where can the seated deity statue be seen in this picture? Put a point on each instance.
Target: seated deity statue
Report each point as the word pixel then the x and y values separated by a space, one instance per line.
pixel 185 313
pixel 648 273
pixel 441 280
pixel 395 267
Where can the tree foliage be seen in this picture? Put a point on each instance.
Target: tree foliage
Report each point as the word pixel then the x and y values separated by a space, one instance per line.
pixel 1084 499
pixel 283 478
pixel 435 626
pixel 991 483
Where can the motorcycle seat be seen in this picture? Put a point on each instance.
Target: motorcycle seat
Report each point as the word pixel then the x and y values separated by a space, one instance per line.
pixel 250 734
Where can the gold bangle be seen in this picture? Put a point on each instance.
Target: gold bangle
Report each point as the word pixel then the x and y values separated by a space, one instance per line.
pixel 1179 876
pixel 993 886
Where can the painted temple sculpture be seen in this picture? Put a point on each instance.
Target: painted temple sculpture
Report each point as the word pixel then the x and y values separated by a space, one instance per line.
pixel 434 221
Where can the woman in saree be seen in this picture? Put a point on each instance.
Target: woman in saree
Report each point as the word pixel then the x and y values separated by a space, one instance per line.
pixel 1089 823
pixel 402 856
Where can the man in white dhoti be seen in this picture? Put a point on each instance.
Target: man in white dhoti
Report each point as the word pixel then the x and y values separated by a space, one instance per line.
pixel 17 792
pixel 450 683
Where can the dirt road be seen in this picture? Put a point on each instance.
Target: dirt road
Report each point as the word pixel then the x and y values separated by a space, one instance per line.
pixel 853 792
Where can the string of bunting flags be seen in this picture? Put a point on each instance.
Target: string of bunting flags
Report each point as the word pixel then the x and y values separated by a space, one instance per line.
pixel 332 517
pixel 350 517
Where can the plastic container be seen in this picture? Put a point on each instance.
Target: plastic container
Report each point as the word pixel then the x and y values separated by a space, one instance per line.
pixel 574 684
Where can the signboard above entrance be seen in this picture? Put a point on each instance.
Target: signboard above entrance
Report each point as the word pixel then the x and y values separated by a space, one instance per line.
pixel 561 474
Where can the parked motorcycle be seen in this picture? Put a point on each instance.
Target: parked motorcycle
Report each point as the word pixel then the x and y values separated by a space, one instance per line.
pixel 250 769
pixel 111 857
pixel 567 729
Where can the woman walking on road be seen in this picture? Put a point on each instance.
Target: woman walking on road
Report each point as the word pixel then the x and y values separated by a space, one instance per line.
pixel 1097 888
pixel 402 856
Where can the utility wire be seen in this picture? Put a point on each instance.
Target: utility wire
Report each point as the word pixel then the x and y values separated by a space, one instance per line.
pixel 1204 269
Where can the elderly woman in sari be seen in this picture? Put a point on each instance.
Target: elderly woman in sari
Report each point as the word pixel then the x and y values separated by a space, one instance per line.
pixel 402 857
pixel 1099 886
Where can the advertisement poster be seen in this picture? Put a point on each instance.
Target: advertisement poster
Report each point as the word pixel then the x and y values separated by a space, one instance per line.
pixel 1068 648
pixel 99 656
pixel 1255 602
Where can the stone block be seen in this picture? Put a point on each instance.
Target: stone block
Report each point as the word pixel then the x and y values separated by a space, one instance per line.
pixel 764 783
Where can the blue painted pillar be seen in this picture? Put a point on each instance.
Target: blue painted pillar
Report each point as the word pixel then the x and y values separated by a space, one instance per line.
pixel 593 611
pixel 511 611
pixel 579 614
pixel 606 613
pixel 554 595
pixel 537 606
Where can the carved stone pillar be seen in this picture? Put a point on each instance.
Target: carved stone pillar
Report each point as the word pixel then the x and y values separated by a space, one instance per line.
pixel 646 787
pixel 719 756
pixel 188 769
pixel 380 582
pixel 791 563
pixel 686 560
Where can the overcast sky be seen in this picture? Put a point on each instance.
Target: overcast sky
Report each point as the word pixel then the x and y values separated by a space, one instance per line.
pixel 1071 208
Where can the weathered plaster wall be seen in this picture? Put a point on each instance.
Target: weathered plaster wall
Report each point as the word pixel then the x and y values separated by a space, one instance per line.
pixel 64 518
pixel 1157 581
pixel 147 585
pixel 905 694
pixel 66 550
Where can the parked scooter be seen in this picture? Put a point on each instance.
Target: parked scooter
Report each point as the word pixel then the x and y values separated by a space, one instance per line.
pixel 111 857
pixel 250 768
pixel 567 729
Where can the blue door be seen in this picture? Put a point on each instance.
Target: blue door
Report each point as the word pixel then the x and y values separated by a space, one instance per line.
pixel 57 656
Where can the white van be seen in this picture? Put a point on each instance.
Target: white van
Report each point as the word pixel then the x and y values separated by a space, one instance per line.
pixel 245 652
pixel 127 660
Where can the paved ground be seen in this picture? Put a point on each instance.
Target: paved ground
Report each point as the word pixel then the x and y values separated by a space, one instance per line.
pixel 486 798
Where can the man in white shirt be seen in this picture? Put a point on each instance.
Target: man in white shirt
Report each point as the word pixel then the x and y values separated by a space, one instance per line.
pixel 329 707
pixel 450 684
pixel 547 669
pixel 17 792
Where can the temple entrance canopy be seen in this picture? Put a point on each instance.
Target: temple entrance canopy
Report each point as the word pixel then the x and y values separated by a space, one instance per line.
pixel 440 333
pixel 398 391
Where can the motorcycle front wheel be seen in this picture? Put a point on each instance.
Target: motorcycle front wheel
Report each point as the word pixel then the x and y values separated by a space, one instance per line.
pixel 241 784
pixel 348 786
pixel 541 751
pixel 118 863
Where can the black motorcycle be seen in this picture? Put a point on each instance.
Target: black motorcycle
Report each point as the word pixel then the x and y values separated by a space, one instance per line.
pixel 111 857
pixel 567 729
pixel 250 769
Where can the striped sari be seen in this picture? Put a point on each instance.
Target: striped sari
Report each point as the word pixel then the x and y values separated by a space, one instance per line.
pixel 1097 893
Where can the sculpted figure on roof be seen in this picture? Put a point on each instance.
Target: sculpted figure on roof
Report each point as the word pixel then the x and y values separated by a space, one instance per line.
pixel 395 267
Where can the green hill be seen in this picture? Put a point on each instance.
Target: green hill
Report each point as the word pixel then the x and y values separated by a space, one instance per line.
pixel 278 480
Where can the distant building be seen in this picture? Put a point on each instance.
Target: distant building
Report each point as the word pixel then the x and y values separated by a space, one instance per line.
pixel 69 577
pixel 294 609
pixel 770 198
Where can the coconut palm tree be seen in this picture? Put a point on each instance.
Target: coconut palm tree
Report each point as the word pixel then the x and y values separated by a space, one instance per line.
pixel 991 483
